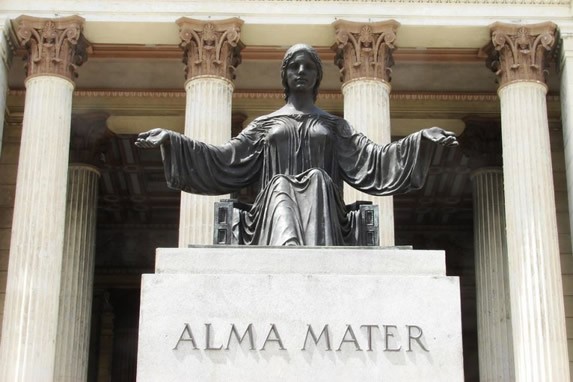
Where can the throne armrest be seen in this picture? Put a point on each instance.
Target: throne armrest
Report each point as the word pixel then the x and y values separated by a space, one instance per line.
pixel 225 230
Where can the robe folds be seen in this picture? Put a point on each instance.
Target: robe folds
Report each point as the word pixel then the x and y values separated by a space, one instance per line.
pixel 299 163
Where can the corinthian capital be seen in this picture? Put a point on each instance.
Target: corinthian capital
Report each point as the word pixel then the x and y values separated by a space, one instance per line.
pixel 54 46
pixel 211 48
pixel 364 49
pixel 521 52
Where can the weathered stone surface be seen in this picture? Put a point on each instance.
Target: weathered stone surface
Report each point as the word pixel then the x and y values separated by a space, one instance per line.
pixel 251 320
pixel 211 48
pixel 54 46
pixel 364 50
pixel 341 260
pixel 521 52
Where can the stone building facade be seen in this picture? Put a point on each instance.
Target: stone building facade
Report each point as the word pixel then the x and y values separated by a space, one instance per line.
pixel 82 210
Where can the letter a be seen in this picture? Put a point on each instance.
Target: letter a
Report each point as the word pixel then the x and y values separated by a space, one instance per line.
pixel 352 340
pixel 186 329
pixel 277 338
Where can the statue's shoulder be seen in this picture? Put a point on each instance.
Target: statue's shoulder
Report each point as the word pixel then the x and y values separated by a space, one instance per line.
pixel 331 117
pixel 263 118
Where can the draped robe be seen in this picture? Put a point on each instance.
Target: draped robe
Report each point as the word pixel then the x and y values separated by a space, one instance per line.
pixel 299 163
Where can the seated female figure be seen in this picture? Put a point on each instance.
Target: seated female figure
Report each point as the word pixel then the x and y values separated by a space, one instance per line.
pixel 299 156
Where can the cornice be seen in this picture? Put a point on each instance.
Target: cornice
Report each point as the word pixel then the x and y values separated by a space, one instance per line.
pixel 271 53
pixel 480 2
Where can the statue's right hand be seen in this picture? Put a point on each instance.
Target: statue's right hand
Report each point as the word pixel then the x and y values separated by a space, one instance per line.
pixel 152 138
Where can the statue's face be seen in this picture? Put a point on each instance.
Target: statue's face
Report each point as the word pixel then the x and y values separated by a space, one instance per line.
pixel 301 73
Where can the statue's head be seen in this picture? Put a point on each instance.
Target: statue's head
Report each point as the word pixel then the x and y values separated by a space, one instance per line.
pixel 290 53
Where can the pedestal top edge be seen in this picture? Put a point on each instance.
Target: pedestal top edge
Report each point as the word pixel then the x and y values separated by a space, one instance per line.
pixel 320 260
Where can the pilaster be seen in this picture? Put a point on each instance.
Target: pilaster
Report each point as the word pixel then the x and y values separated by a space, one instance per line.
pixel 33 288
pixel 211 55
pixel 72 348
pixel 364 56
pixel 519 55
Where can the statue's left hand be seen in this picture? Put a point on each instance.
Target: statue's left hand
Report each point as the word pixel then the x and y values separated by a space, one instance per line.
pixel 152 138
pixel 440 136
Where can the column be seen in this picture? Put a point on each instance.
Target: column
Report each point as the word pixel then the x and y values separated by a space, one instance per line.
pixel 566 96
pixel 481 142
pixel 211 55
pixel 55 48
pixel 74 323
pixel 106 341
pixel 364 56
pixel 5 61
pixel 519 55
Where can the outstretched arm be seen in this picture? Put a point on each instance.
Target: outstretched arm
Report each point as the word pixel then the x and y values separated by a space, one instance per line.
pixel 440 136
pixel 152 138
pixel 395 168
pixel 200 168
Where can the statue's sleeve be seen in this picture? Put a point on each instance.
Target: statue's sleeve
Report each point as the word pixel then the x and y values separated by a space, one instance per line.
pixel 201 168
pixel 395 168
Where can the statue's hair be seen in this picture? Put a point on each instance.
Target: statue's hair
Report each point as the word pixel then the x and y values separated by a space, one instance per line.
pixel 288 57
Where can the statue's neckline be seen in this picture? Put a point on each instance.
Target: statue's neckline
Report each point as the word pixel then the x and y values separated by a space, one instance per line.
pixel 294 115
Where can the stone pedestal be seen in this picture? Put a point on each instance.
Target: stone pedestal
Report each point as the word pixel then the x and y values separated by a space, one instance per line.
pixel 210 69
pixel 72 347
pixel 299 314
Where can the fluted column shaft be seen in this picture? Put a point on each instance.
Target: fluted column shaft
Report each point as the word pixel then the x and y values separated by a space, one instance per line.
pixel 566 96
pixel 207 119
pixel 367 108
pixel 72 347
pixel 30 322
pixel 493 302
pixel 538 315
pixel 32 293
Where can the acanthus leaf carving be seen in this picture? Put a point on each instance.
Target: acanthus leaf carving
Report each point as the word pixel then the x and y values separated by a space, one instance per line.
pixel 210 47
pixel 53 46
pixel 521 52
pixel 364 50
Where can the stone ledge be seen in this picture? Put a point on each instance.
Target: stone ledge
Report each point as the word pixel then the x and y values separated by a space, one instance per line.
pixel 304 260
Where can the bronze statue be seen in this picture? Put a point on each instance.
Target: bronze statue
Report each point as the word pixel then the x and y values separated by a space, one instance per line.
pixel 299 156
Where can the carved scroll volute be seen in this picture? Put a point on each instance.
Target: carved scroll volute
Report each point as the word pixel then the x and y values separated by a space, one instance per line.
pixel 364 50
pixel 521 52
pixel 210 48
pixel 53 46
